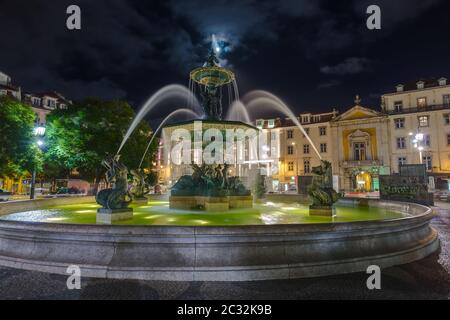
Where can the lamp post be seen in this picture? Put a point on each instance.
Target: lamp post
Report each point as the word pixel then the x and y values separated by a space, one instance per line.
pixel 38 132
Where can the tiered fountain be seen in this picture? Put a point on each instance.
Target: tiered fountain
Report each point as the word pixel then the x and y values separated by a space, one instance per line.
pixel 210 186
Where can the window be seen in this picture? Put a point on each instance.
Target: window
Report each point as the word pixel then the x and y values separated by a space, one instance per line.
pixel 307 131
pixel 290 166
pixel 421 102
pixel 423 121
pixel 446 100
pixel 306 148
pixel 398 106
pixel 448 139
pixel 260 123
pixel 427 140
pixel 428 162
pixel 359 151
pixel 290 150
pixel 323 147
pixel 401 161
pixel 305 119
pixel 399 123
pixel 271 124
pixel 307 166
pixel 290 134
pixel 323 131
pixel 447 118
pixel 401 143
pixel 420 85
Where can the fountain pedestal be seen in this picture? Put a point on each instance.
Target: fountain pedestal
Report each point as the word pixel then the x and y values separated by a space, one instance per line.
pixel 322 211
pixel 108 216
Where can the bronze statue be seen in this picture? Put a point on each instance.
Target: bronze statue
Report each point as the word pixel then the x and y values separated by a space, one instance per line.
pixel 117 197
pixel 139 188
pixel 321 190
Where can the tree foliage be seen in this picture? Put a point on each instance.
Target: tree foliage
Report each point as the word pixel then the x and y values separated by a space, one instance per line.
pixel 18 152
pixel 82 135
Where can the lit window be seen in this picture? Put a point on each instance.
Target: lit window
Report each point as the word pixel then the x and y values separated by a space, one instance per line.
pixel 401 143
pixel 399 123
pixel 423 121
pixel 421 102
pixel 290 166
pixel 306 148
pixel 323 147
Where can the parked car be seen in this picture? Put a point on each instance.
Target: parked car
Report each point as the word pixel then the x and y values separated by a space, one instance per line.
pixel 5 195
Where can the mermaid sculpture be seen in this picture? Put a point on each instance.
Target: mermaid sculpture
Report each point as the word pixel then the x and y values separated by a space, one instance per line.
pixel 118 197
pixel 321 191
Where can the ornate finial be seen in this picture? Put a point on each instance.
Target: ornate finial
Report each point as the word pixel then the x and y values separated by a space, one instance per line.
pixel 212 60
pixel 357 100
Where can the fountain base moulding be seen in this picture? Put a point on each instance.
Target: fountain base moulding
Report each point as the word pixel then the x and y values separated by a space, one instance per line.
pixel 322 211
pixel 108 216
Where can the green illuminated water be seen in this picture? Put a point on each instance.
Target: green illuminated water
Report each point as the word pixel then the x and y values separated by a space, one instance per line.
pixel 158 213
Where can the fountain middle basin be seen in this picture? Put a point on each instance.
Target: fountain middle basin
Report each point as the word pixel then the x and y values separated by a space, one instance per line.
pixel 270 242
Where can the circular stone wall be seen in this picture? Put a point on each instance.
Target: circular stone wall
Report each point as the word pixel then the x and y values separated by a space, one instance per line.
pixel 240 253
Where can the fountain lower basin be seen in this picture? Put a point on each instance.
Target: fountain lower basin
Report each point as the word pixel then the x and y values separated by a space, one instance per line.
pixel 220 252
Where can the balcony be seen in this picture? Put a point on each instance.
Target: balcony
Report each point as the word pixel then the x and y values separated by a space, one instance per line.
pixel 361 163
pixel 420 109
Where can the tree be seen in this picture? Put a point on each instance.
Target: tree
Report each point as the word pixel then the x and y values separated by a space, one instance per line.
pixel 18 152
pixel 82 135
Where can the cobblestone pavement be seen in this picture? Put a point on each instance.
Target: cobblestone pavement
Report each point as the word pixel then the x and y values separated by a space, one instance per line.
pixel 425 279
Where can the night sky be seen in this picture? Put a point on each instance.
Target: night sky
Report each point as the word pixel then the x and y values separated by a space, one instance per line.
pixel 315 55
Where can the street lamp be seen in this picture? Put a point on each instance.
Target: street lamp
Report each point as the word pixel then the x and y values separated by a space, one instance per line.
pixel 38 132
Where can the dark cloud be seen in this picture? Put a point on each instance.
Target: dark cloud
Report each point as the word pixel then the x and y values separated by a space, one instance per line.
pixel 348 66
pixel 129 49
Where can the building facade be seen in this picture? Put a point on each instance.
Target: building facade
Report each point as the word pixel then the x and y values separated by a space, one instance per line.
pixel 411 127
